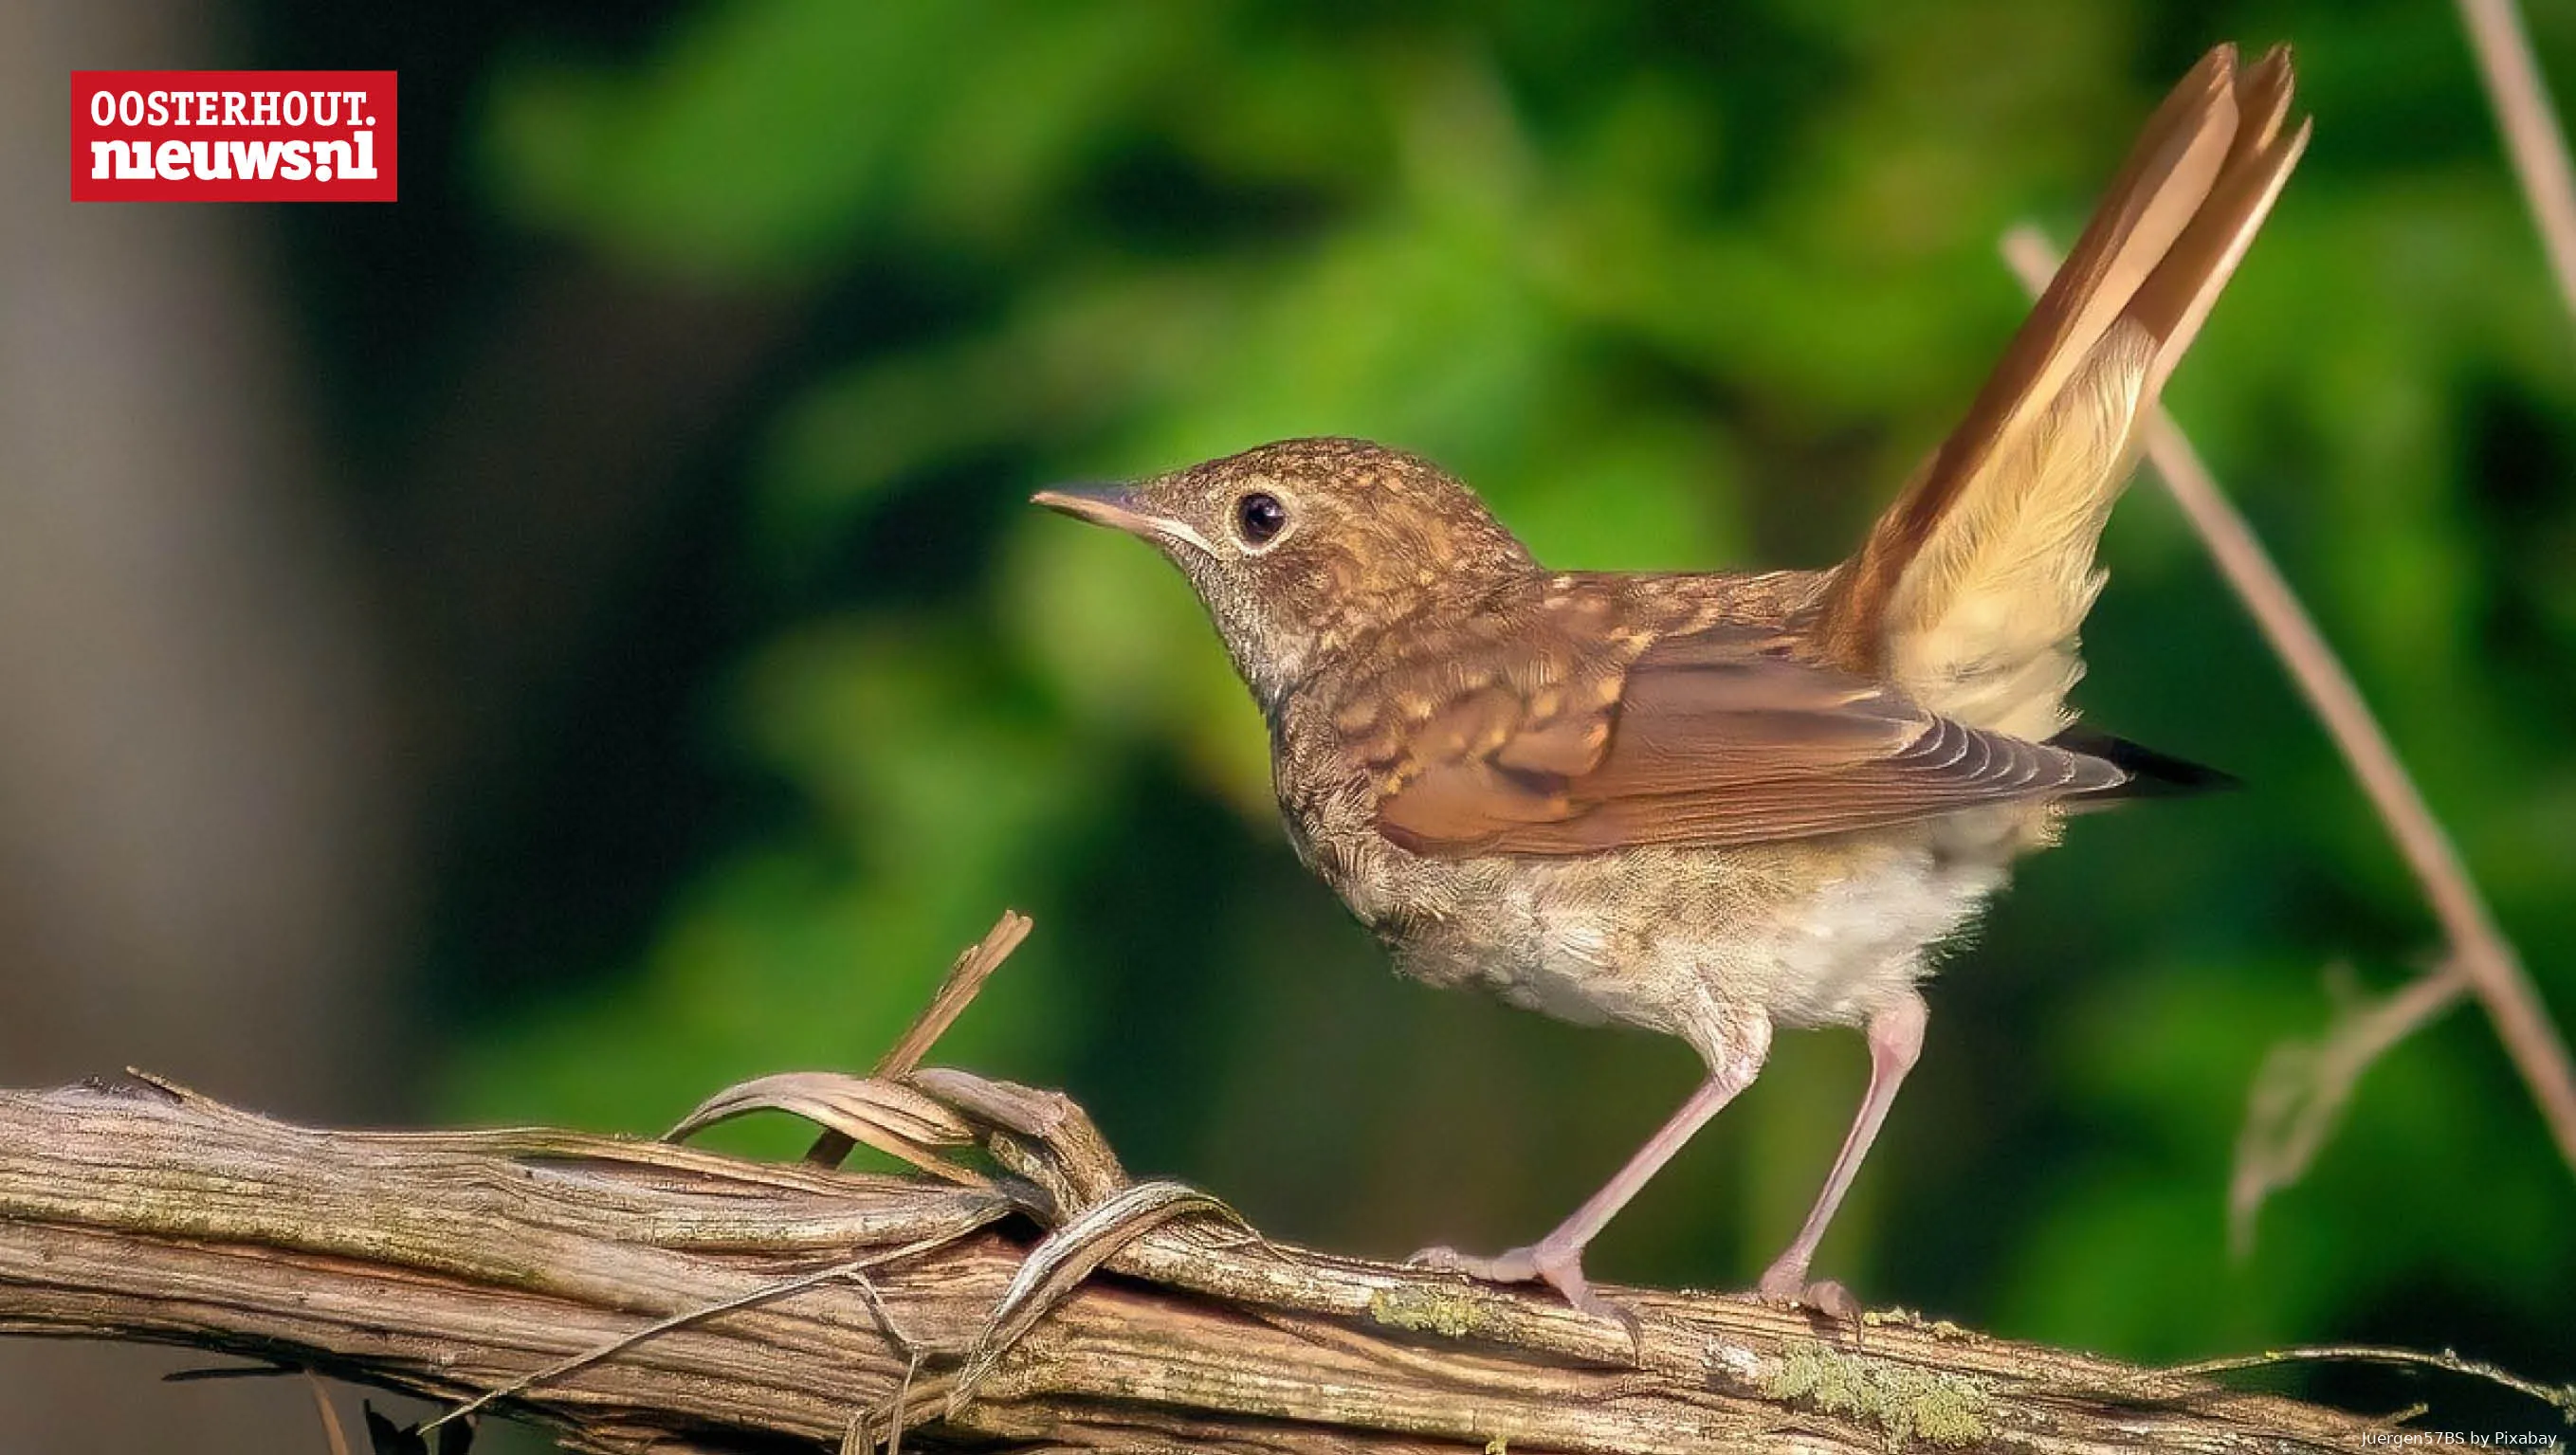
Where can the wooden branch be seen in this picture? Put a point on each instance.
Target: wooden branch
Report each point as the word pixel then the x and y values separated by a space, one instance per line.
pixel 573 1277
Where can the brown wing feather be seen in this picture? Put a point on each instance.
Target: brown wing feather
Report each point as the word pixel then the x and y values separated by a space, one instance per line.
pixel 1709 737
pixel 1969 591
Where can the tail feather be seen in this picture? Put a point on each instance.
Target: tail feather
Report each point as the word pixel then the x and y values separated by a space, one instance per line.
pixel 1970 589
pixel 2151 774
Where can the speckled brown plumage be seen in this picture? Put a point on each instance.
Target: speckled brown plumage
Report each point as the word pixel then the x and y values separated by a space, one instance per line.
pixel 1709 804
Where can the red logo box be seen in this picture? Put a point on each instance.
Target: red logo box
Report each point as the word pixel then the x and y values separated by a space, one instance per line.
pixel 233 136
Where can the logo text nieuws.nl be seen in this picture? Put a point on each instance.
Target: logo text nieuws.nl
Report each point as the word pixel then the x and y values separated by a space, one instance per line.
pixel 233 136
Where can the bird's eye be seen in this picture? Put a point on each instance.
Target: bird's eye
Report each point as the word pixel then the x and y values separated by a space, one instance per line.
pixel 1260 517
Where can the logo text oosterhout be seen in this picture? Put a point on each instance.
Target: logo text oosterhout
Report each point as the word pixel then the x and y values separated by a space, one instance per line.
pixel 233 136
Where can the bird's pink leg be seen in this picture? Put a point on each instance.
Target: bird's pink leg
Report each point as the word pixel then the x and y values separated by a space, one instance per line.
pixel 1557 1259
pixel 1895 1040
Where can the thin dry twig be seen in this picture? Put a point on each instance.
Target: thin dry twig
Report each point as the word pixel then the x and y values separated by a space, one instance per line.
pixel 892 1118
pixel 2303 1087
pixel 860 1437
pixel 2531 132
pixel 2561 1397
pixel 2485 959
pixel 766 1293
pixel 1067 1256
pixel 332 1434
pixel 957 990
pixel 862 1421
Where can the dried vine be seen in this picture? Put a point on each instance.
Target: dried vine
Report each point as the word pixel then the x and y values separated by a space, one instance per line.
pixel 1021 1289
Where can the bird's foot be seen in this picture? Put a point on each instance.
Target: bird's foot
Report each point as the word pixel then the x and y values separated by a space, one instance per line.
pixel 1558 1265
pixel 1787 1283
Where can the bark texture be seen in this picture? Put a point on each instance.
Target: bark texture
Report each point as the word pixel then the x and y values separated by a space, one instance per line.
pixel 650 1296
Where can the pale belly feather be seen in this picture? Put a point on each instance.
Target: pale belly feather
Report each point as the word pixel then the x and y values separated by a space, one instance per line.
pixel 1822 932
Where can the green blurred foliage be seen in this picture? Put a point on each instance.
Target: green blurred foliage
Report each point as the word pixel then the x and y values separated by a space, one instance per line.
pixel 1675 286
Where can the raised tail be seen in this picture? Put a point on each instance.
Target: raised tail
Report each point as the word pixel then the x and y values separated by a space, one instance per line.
pixel 1970 589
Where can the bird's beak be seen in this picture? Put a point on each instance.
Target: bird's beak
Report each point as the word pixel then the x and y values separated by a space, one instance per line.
pixel 1121 507
pixel 1114 506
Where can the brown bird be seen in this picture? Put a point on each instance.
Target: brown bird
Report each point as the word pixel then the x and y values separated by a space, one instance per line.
pixel 1714 804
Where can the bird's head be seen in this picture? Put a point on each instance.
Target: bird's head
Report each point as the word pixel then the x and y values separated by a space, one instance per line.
pixel 1302 548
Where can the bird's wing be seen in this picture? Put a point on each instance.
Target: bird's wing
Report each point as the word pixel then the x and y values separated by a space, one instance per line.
pixel 1970 589
pixel 1575 741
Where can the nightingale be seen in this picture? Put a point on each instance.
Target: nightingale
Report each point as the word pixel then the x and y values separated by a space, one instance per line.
pixel 1716 804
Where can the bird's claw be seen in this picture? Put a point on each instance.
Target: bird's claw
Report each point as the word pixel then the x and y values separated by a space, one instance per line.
pixel 1791 1286
pixel 1560 1268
